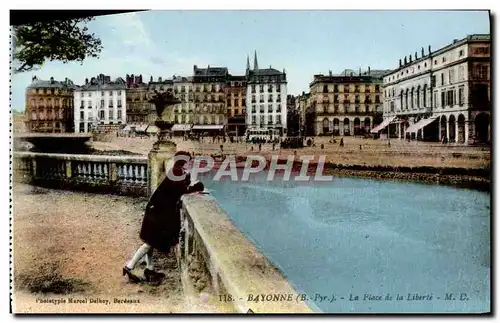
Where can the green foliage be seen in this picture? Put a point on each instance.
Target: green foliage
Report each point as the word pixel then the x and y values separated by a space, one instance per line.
pixel 63 40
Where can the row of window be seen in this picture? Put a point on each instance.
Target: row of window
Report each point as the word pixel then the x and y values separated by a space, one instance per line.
pixel 45 115
pixel 346 88
pixel 448 98
pixel 89 105
pixel 270 108
pixel 356 109
pixel 110 93
pixel 266 120
pixel 51 102
pixel 51 91
pixel 270 88
pixel 269 98
pixel 346 100
pixel 234 103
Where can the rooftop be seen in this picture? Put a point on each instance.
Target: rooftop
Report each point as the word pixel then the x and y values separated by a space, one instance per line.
pixel 37 83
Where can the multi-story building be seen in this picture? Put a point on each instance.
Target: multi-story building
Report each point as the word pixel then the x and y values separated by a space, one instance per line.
pixel 209 98
pixel 306 113
pixel 266 98
pixel 443 94
pixel 100 103
pixel 345 104
pixel 293 116
pixel 184 112
pixel 49 106
pixel 139 110
pixel 236 91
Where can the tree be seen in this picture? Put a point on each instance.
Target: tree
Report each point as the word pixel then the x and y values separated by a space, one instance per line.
pixel 62 40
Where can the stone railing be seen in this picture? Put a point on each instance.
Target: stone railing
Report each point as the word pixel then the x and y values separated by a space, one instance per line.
pixel 217 259
pixel 123 175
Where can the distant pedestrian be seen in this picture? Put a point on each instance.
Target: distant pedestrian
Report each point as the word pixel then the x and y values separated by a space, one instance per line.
pixel 341 142
pixel 260 146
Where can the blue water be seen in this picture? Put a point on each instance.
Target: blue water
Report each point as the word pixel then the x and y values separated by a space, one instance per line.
pixel 352 237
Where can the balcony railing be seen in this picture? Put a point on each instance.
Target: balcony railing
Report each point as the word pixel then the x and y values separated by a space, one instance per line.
pixel 126 175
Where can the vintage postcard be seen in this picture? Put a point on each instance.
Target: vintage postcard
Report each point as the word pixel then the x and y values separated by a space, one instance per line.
pixel 251 162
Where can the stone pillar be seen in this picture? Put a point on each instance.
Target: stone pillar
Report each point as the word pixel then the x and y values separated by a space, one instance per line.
pixel 439 129
pixel 466 132
pixel 456 131
pixel 447 130
pixel 398 127
pixel 68 169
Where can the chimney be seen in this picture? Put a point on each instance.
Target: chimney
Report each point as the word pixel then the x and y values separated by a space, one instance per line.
pixel 429 49
pixel 86 81
pixel 455 40
pixel 51 80
pixel 406 62
pixel 151 79
pixel 284 71
pixel 416 56
pixel 410 58
pixel 423 52
pixel 303 93
pixel 400 62
pixel 140 78
pixel 351 74
pixel 359 71
pixel 159 79
pixel 330 73
pixel 368 70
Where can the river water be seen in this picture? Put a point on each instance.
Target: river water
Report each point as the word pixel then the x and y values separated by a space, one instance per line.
pixel 420 248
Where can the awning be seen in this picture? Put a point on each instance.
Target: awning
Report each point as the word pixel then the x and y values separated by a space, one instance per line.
pixel 152 129
pixel 208 127
pixel 419 125
pixel 384 124
pixel 139 127
pixel 181 127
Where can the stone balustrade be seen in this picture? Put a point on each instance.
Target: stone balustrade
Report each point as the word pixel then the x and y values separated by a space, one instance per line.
pixel 217 259
pixel 125 175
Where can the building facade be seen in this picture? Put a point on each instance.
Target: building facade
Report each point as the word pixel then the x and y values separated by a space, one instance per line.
pixel 345 104
pixel 100 102
pixel 236 92
pixel 266 98
pixel 441 95
pixel 209 98
pixel 139 110
pixel 49 106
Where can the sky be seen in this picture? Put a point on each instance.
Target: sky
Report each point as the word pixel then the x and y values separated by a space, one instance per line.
pixel 304 43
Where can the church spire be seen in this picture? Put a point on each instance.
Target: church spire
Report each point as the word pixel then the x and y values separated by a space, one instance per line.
pixel 255 63
pixel 248 62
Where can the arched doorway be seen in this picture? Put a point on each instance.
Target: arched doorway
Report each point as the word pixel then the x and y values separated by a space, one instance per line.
pixel 326 126
pixel 461 129
pixel 367 125
pixel 336 127
pixel 481 127
pixel 451 125
pixel 443 128
pixel 357 127
pixel 347 131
